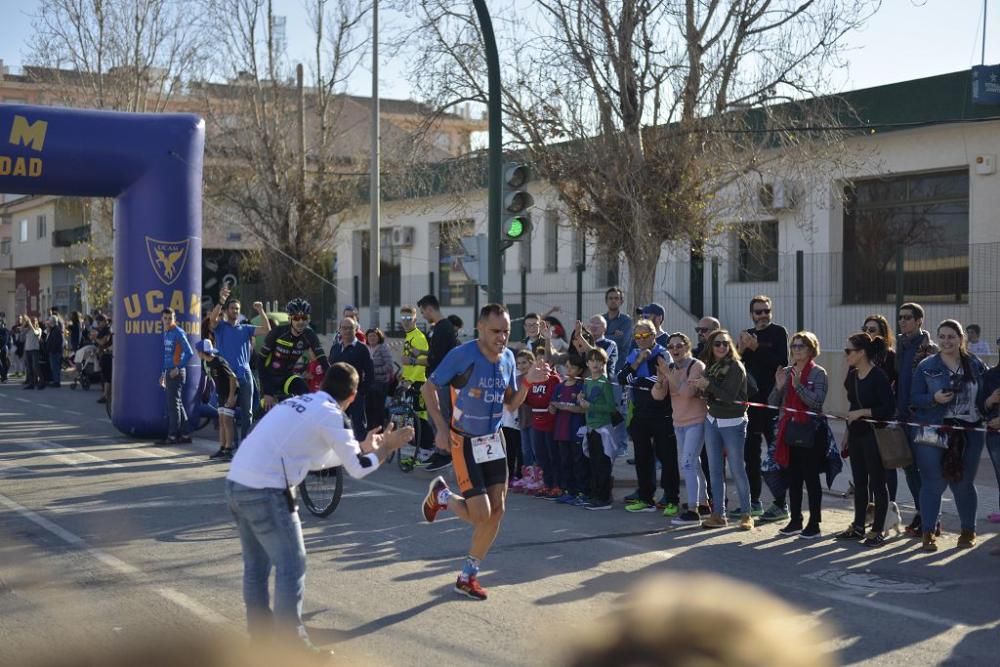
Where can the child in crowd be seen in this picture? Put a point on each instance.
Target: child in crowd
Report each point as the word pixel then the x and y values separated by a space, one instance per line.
pixel 573 471
pixel 510 425
pixel 598 399
pixel 543 425
pixel 226 388
pixel 531 478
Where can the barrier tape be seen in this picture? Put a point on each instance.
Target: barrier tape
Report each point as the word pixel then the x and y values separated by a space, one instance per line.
pixel 946 428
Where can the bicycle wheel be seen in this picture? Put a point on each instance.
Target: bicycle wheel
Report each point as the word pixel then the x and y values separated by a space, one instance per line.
pixel 408 452
pixel 321 490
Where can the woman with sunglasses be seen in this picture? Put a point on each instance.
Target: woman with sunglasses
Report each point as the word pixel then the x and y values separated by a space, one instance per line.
pixel 944 391
pixel 651 428
pixel 870 396
pixel 878 325
pixel 801 387
pixel 725 386
pixel 674 377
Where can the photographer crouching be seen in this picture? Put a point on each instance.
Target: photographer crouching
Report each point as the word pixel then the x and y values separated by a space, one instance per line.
pixel 300 434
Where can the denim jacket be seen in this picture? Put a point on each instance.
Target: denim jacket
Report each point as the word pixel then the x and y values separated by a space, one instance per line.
pixel 930 376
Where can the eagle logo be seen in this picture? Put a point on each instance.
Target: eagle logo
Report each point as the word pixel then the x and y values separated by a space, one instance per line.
pixel 168 258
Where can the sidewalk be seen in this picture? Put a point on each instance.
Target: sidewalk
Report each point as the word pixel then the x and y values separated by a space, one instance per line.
pixel 986 482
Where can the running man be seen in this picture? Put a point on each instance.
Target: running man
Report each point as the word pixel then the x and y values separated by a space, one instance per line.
pixel 482 377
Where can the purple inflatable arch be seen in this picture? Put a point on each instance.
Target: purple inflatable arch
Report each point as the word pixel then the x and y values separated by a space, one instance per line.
pixel 152 165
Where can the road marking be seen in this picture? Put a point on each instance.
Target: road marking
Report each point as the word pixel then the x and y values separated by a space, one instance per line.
pixel 73 457
pixel 73 412
pixel 120 566
pixel 46 405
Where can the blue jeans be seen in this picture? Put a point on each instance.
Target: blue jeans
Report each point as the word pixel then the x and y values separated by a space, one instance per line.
pixel 245 401
pixel 993 447
pixel 176 416
pixel 933 484
pixel 729 441
pixel 270 536
pixel 690 442
pixel 527 447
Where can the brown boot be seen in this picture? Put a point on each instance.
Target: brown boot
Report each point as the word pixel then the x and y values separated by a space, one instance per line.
pixel 930 543
pixel 967 539
pixel 715 521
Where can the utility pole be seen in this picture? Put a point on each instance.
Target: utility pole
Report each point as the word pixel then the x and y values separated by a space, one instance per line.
pixel 495 259
pixel 374 238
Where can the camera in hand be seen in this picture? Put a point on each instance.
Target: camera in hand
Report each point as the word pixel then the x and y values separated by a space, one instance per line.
pixel 955 383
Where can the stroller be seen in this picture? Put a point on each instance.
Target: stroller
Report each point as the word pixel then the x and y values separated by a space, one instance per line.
pixel 88 368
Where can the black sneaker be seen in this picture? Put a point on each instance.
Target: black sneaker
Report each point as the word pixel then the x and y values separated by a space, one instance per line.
pixel 166 441
pixel 687 518
pixel 223 454
pixel 874 539
pixel 704 510
pixel 438 461
pixel 810 532
pixel 851 533
pixel 792 528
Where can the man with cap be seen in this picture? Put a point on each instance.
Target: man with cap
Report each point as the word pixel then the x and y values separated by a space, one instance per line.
pixel 226 388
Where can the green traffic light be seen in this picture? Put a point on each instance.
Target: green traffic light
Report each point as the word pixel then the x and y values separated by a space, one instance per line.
pixel 515 229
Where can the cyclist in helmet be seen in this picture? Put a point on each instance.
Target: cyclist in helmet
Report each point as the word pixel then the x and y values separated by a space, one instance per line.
pixel 284 345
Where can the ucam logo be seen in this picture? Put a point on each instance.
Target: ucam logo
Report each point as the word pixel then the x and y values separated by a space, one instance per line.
pixel 24 133
pixel 168 258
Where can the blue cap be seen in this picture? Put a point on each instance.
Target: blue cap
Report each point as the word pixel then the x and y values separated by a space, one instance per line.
pixel 654 309
pixel 205 346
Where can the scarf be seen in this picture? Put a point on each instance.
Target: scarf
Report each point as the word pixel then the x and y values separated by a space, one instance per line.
pixel 782 456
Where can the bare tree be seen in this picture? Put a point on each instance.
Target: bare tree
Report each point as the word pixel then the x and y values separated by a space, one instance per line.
pixel 640 112
pixel 122 55
pixel 280 177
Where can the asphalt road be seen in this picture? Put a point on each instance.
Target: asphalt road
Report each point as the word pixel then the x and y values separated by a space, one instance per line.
pixel 104 538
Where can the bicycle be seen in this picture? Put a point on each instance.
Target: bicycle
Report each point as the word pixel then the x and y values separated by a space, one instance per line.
pixel 321 490
pixel 399 412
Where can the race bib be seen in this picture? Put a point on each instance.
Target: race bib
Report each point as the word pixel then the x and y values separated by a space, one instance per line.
pixel 487 448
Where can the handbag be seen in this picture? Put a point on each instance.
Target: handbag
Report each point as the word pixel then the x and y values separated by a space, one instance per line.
pixel 930 436
pixel 800 434
pixel 893 447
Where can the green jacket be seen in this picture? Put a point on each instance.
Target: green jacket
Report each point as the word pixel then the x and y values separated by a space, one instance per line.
pixel 727 389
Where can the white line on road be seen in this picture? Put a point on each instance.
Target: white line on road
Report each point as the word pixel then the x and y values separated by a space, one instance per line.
pixel 73 412
pixel 73 457
pixel 120 566
pixel 46 405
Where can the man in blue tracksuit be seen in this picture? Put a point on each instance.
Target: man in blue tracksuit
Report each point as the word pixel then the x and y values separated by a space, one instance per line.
pixel 176 353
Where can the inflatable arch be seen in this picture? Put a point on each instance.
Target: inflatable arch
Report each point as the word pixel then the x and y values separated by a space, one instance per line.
pixel 152 165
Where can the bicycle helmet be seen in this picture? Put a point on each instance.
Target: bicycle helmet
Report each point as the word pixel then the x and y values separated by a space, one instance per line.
pixel 298 306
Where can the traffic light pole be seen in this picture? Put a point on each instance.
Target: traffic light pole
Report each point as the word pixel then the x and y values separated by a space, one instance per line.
pixel 494 274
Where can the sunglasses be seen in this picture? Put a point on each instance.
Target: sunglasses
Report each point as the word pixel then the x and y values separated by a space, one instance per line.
pixel 848 350
pixel 701 330
pixel 762 311
pixel 676 346
pixel 407 318
pixel 642 336
pixel 299 318
pixel 721 343
pixel 797 346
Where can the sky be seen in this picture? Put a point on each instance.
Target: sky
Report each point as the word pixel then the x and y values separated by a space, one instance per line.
pixel 907 39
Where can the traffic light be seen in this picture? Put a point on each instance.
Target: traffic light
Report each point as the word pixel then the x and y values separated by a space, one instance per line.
pixel 516 201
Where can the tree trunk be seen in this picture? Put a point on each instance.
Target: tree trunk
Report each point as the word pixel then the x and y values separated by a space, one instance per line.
pixel 642 274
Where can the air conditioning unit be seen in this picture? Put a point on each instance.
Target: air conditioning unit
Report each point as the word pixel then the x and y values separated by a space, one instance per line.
pixel 402 237
pixel 777 196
